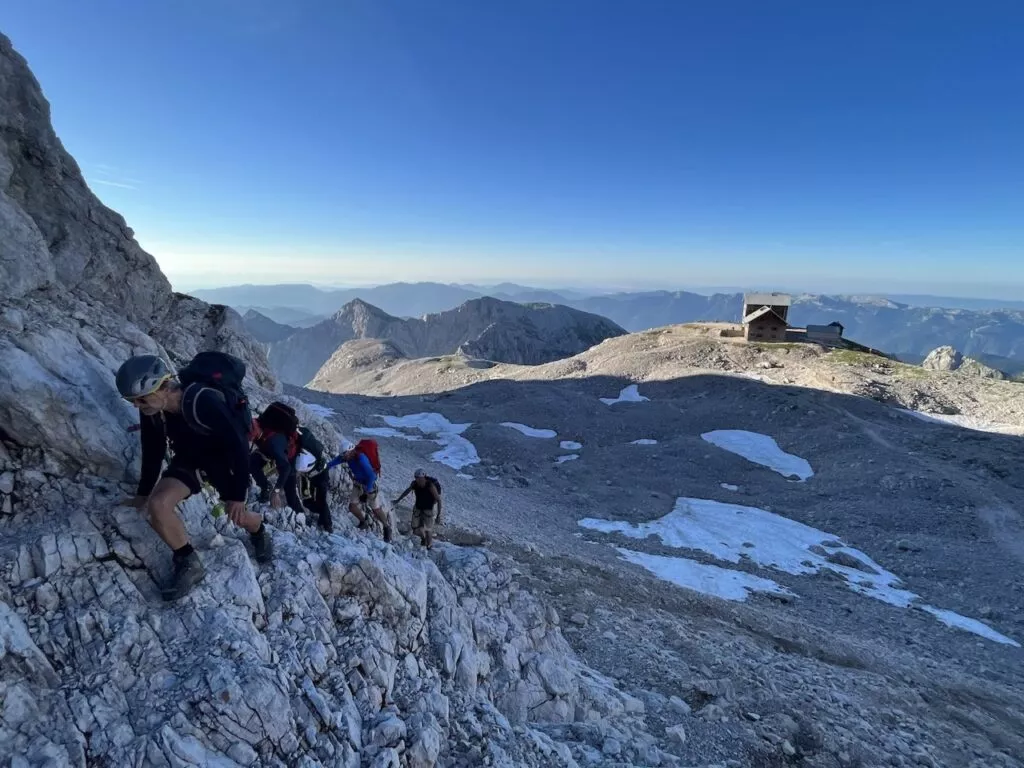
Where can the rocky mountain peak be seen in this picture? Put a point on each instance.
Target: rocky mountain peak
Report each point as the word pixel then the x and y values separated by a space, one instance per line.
pixel 947 358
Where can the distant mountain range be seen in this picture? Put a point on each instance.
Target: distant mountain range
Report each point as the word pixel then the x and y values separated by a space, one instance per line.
pixel 908 329
pixel 488 328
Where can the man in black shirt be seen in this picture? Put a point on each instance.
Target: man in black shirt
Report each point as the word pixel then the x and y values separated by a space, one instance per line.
pixel 207 443
pixel 428 494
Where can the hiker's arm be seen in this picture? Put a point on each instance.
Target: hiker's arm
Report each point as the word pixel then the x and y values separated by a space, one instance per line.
pixel 154 448
pixel 277 446
pixel 213 411
pixel 405 493
pixel 437 498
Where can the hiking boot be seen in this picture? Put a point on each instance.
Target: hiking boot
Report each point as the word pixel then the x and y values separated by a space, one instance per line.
pixel 262 546
pixel 387 533
pixel 326 523
pixel 365 524
pixel 186 573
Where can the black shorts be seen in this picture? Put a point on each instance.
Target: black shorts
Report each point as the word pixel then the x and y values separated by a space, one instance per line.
pixel 194 475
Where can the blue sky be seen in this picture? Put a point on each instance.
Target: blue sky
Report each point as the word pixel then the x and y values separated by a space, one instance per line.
pixel 860 145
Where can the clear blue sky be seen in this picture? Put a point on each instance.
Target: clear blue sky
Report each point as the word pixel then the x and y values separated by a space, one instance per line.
pixel 866 144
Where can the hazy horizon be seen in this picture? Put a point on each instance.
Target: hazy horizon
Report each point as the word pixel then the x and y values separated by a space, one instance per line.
pixel 835 148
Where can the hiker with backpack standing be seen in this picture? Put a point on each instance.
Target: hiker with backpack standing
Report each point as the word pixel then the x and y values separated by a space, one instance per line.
pixel 204 415
pixel 428 494
pixel 363 463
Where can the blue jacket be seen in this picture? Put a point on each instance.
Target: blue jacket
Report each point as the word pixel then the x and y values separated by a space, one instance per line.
pixel 362 472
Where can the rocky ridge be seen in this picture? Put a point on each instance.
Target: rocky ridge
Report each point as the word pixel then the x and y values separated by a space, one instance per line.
pixel 947 358
pixel 488 328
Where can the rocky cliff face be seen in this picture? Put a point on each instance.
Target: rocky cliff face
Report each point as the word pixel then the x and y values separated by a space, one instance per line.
pixel 486 328
pixel 79 295
pixel 344 651
pixel 947 358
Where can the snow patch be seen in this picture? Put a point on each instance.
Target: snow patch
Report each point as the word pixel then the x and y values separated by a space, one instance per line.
pixel 320 410
pixel 463 475
pixel 644 441
pixel 456 451
pixel 530 431
pixel 567 457
pixel 965 422
pixel 700 577
pixel 760 449
pixel 731 531
pixel 955 620
pixel 630 394
pixel 729 486
pixel 570 445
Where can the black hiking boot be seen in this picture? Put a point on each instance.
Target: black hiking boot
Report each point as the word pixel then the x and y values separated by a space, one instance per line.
pixel 186 572
pixel 326 523
pixel 387 533
pixel 262 545
pixel 365 524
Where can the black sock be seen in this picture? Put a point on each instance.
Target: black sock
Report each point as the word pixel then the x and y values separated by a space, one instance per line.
pixel 182 552
pixel 260 532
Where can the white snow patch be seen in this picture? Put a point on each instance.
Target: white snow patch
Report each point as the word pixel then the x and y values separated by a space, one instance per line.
pixel 463 475
pixel 456 451
pixel 731 531
pixel 730 486
pixel 952 619
pixel 700 577
pixel 493 477
pixel 760 449
pixel 570 445
pixel 385 432
pixel 644 441
pixel 320 410
pixel 966 422
pixel 530 431
pixel 567 457
pixel 630 394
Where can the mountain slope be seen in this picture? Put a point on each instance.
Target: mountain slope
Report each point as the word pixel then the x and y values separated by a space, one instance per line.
pixel 485 327
pixel 263 329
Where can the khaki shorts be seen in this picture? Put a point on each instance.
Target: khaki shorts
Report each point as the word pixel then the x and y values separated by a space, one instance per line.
pixel 358 491
pixel 423 519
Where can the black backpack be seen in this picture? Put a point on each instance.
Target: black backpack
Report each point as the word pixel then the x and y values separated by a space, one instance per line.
pixel 222 373
pixel 280 418
pixel 309 442
pixel 436 482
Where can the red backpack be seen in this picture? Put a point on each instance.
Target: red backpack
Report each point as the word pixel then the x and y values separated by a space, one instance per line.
pixel 368 448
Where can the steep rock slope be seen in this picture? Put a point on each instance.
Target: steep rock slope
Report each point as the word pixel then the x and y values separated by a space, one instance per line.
pixel 486 328
pixel 343 651
pixel 79 294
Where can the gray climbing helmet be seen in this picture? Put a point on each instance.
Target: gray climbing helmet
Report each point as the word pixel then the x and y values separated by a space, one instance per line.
pixel 141 375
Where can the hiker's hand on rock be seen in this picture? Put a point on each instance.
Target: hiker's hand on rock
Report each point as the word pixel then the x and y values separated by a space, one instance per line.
pixel 236 511
pixel 133 501
pixel 277 499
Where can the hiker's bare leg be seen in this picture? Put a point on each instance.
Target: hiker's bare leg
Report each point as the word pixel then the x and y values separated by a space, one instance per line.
pixel 380 514
pixel 163 517
pixel 355 508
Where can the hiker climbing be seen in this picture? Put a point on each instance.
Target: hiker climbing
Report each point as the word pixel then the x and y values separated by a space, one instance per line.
pixel 427 492
pixel 363 463
pixel 299 459
pixel 204 415
pixel 275 435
